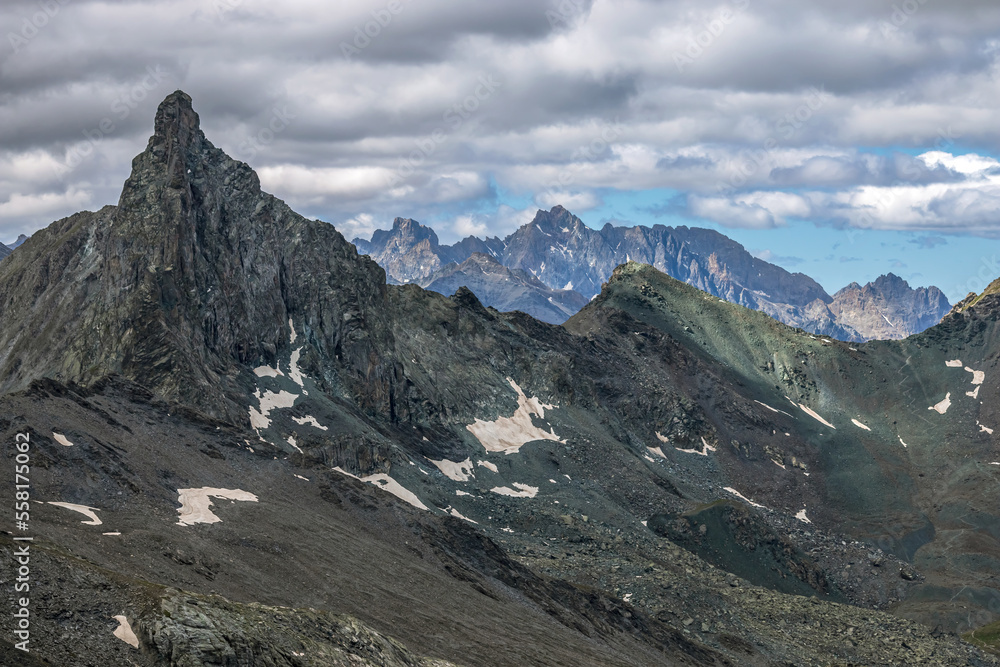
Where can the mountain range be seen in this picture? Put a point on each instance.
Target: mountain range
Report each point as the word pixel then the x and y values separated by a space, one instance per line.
pixel 247 448
pixel 563 253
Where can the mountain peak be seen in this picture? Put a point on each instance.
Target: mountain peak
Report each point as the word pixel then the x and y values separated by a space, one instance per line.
pixel 890 279
pixel 176 119
pixel 409 231
pixel 556 220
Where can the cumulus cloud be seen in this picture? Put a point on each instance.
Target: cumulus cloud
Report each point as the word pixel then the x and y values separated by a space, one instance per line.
pixel 755 112
pixel 965 199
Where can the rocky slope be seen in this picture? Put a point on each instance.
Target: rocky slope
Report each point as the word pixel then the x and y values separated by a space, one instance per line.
pixel 5 251
pixel 505 289
pixel 224 399
pixel 889 308
pixel 562 252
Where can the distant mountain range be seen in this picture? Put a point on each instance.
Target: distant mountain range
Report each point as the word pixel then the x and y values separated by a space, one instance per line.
pixel 506 289
pixel 564 254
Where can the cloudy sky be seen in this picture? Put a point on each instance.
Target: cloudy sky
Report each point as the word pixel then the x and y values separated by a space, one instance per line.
pixel 843 139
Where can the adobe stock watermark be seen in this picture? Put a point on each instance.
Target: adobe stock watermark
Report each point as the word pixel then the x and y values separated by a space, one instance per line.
pixel 280 120
pixel 901 15
pixel 33 24
pixel 454 117
pixel 223 7
pixel 700 41
pixel 988 271
pixel 365 34
pixel 589 152
pixel 22 551
pixel 121 108
pixel 565 13
pixel 750 161
pixel 913 172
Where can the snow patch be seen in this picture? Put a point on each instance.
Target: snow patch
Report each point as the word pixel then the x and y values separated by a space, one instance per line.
pixel 195 503
pixel 815 416
pixel 743 498
pixel 267 372
pixel 974 393
pixel 302 421
pixel 957 363
pixel 460 472
pixel 801 516
pixel 293 371
pixel 705 452
pixel 860 425
pixel 460 492
pixel 112 534
pixel 509 434
pixel 657 450
pixel 124 632
pixel 293 335
pixel 984 429
pixel 291 441
pixel 943 406
pixel 269 401
pixel 62 439
pixel 488 465
pixel 772 409
pixel 523 491
pixel 387 483
pixel 978 377
pixel 455 512
pixel 84 510
pixel 301 477
pixel 901 441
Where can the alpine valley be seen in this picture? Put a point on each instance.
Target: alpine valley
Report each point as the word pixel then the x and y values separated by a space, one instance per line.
pixel 247 448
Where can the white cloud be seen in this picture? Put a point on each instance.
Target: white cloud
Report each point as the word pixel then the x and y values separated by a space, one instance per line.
pixel 596 102
pixel 574 201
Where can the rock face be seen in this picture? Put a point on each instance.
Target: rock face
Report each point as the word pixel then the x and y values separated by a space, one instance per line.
pixel 191 631
pixel 4 251
pixel 728 535
pixel 505 289
pixel 889 308
pixel 473 484
pixel 411 252
pixel 189 276
pixel 563 253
